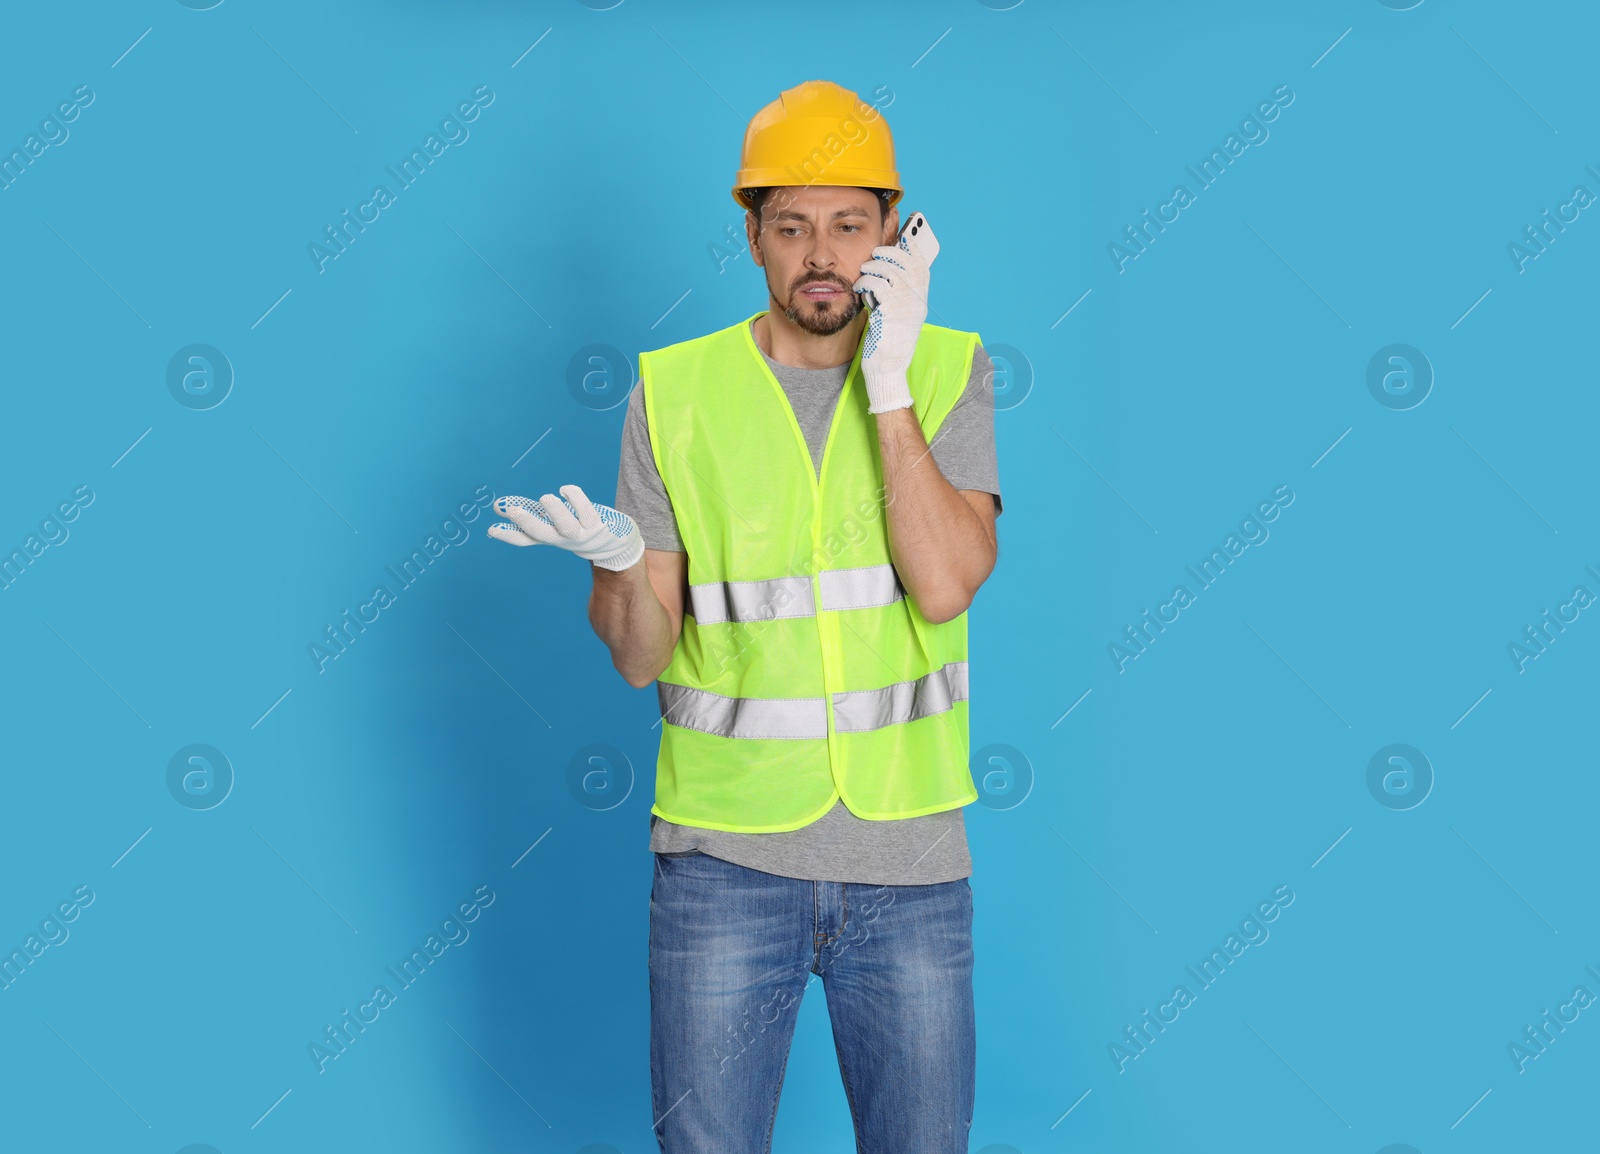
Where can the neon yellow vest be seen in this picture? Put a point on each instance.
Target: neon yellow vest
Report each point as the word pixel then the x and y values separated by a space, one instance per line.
pixel 804 673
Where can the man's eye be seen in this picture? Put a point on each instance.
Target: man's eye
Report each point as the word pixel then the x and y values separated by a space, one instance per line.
pixel 851 227
pixel 789 231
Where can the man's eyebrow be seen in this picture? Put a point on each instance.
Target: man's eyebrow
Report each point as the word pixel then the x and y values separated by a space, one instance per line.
pixel 793 214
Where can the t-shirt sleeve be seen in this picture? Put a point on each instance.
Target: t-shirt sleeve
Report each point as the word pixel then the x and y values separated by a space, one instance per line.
pixel 964 446
pixel 640 491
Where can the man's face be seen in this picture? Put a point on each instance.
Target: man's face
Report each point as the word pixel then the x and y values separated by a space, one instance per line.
pixel 812 243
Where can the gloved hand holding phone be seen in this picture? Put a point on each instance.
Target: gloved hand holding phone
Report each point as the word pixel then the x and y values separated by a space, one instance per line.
pixel 598 533
pixel 894 285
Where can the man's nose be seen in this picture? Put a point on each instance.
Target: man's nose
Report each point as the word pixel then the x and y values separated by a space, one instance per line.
pixel 821 254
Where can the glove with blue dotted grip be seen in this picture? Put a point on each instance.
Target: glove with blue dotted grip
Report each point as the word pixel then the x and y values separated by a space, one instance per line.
pixel 896 278
pixel 597 533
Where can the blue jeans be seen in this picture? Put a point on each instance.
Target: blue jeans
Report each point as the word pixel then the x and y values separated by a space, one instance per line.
pixel 731 952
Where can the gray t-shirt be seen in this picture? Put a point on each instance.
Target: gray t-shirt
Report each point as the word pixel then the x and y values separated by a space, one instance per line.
pixel 839 846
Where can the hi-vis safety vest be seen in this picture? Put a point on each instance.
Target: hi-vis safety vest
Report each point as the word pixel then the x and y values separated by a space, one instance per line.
pixel 803 672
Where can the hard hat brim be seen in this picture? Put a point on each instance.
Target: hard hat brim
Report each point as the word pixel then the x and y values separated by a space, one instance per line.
pixel 834 178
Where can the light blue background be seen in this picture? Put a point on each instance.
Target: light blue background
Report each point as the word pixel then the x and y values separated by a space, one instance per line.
pixel 1136 431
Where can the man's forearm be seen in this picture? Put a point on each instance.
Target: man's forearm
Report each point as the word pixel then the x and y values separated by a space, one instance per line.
pixel 627 615
pixel 940 547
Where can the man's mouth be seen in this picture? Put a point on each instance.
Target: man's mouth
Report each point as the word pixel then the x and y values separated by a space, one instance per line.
pixel 821 291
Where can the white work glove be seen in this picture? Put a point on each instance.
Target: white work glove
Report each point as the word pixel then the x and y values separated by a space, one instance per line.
pixel 898 277
pixel 597 533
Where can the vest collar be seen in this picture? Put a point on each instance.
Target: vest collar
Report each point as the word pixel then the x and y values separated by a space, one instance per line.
pixel 846 402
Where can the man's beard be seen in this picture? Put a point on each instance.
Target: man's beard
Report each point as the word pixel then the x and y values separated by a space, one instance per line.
pixel 824 319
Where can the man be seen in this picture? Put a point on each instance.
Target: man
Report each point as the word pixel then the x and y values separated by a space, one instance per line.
pixel 806 508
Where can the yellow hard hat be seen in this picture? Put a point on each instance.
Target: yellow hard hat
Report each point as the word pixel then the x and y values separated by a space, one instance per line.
pixel 817 133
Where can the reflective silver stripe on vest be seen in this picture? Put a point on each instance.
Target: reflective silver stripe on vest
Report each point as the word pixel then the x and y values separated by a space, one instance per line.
pixel 867 587
pixel 857 711
pixel 751 717
pixel 719 601
pixel 864 588
pixel 866 709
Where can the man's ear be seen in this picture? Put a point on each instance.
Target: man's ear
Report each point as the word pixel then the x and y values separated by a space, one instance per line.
pixel 752 235
pixel 891 226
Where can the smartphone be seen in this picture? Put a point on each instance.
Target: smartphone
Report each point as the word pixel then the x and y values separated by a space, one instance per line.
pixel 915 236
